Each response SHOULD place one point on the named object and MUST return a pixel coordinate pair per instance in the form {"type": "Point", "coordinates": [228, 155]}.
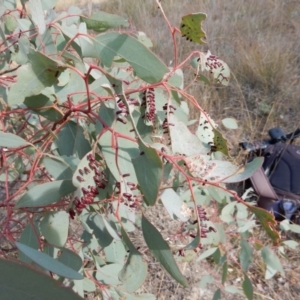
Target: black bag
{"type": "Point", "coordinates": [278, 182]}
{"type": "Point", "coordinates": [282, 167]}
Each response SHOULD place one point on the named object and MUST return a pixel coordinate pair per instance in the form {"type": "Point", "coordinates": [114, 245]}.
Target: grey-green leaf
{"type": "Point", "coordinates": [101, 21]}
{"type": "Point", "coordinates": [119, 160]}
{"type": "Point", "coordinates": [10, 140]}
{"type": "Point", "coordinates": [37, 14]}
{"type": "Point", "coordinates": [30, 284]}
{"type": "Point", "coordinates": [71, 140]}
{"type": "Point", "coordinates": [29, 237]}
{"type": "Point", "coordinates": [230, 123]}
{"type": "Point", "coordinates": [161, 251]}
{"type": "Point", "coordinates": [95, 222]}
{"type": "Point", "coordinates": [54, 226]}
{"type": "Point", "coordinates": [46, 193]}
{"type": "Point", "coordinates": [40, 72]}
{"type": "Point", "coordinates": [174, 204]}
{"type": "Point", "coordinates": [43, 106]}
{"type": "Point", "coordinates": [207, 253]}
{"type": "Point", "coordinates": [246, 255]}
{"type": "Point", "coordinates": [247, 288]}
{"type": "Point", "coordinates": [70, 259]}
{"type": "Point", "coordinates": [48, 262]}
{"type": "Point", "coordinates": [109, 274]}
{"type": "Point", "coordinates": [149, 170]}
{"type": "Point", "coordinates": [134, 272]}
{"type": "Point", "coordinates": [57, 167]}
{"type": "Point", "coordinates": [271, 259]}
{"type": "Point", "coordinates": [217, 295]}
{"type": "Point", "coordinates": [115, 252]}
{"type": "Point", "coordinates": [248, 171]}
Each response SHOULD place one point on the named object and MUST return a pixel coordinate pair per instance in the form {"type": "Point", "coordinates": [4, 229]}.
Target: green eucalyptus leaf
{"type": "Point", "coordinates": [29, 237]}
{"type": "Point", "coordinates": [10, 4]}
{"type": "Point", "coordinates": [174, 205]}
{"type": "Point", "coordinates": [20, 57]}
{"type": "Point", "coordinates": [145, 64]}
{"type": "Point", "coordinates": [232, 289]}
{"type": "Point", "coordinates": [195, 242]}
{"type": "Point", "coordinates": [10, 22]}
{"type": "Point", "coordinates": [292, 244]}
{"type": "Point", "coordinates": [45, 43]}
{"type": "Point", "coordinates": [115, 252]}
{"type": "Point", "coordinates": [246, 255]}
{"type": "Point", "coordinates": [247, 288]}
{"type": "Point", "coordinates": [109, 274]}
{"type": "Point", "coordinates": [207, 253]}
{"type": "Point", "coordinates": [161, 251]}
{"type": "Point", "coordinates": [30, 284]}
{"type": "Point", "coordinates": [2, 8]}
{"type": "Point", "coordinates": [294, 228]}
{"type": "Point", "coordinates": [75, 83]}
{"type": "Point", "coordinates": [74, 13]}
{"type": "Point", "coordinates": [48, 262]}
{"type": "Point", "coordinates": [217, 295]}
{"type": "Point", "coordinates": [37, 14]}
{"type": "Point", "coordinates": [95, 222]}
{"type": "Point", "coordinates": [128, 242]}
{"type": "Point", "coordinates": [40, 72]}
{"type": "Point", "coordinates": [10, 140]}
{"type": "Point", "coordinates": [55, 226]}
{"type": "Point", "coordinates": [69, 34]}
{"type": "Point", "coordinates": [48, 4]}
{"type": "Point", "coordinates": [89, 285]}
{"type": "Point", "coordinates": [57, 167]}
{"type": "Point", "coordinates": [101, 21]}
{"type": "Point", "coordinates": [43, 106]}
{"type": "Point", "coordinates": [70, 259]}
{"type": "Point", "coordinates": [149, 181]}
{"type": "Point", "coordinates": [46, 194]}
{"type": "Point", "coordinates": [111, 228]}
{"type": "Point", "coordinates": [127, 215]}
{"type": "Point", "coordinates": [25, 26]}
{"type": "Point", "coordinates": [230, 123]}
{"type": "Point", "coordinates": [134, 272]}
{"type": "Point", "coordinates": [141, 36]}
{"type": "Point", "coordinates": [205, 280]}
{"type": "Point", "coordinates": [71, 140]}
{"type": "Point", "coordinates": [119, 160]}
{"type": "Point", "coordinates": [272, 261]}
{"type": "Point", "coordinates": [245, 173]}
{"type": "Point", "coordinates": [183, 141]}
{"type": "Point", "coordinates": [224, 272]}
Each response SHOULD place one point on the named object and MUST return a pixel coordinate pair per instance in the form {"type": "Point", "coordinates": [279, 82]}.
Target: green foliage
{"type": "Point", "coordinates": [33, 284]}
{"type": "Point", "coordinates": [94, 131]}
{"type": "Point", "coordinates": [247, 288]}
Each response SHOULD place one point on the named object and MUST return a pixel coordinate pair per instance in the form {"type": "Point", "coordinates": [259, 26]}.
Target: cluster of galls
{"type": "Point", "coordinates": [203, 227]}
{"type": "Point", "coordinates": [165, 125]}
{"type": "Point", "coordinates": [122, 111]}
{"type": "Point", "coordinates": [212, 62]}
{"type": "Point", "coordinates": [127, 197]}
{"type": "Point", "coordinates": [90, 192]}
{"type": "Point", "coordinates": [148, 101]}
{"type": "Point", "coordinates": [203, 218]}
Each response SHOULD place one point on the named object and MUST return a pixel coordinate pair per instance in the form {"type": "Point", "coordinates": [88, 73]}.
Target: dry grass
{"type": "Point", "coordinates": [260, 41]}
